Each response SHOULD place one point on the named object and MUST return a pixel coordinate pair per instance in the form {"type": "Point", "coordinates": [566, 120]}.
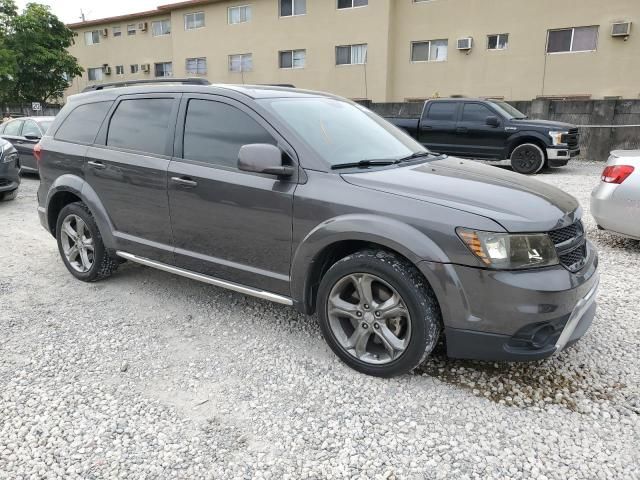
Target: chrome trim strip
{"type": "Point", "coordinates": [206, 279]}
{"type": "Point", "coordinates": [580, 309]}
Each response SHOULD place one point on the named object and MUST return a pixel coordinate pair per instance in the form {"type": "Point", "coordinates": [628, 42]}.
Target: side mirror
{"type": "Point", "coordinates": [493, 121]}
{"type": "Point", "coordinates": [32, 137]}
{"type": "Point", "coordinates": [263, 158]}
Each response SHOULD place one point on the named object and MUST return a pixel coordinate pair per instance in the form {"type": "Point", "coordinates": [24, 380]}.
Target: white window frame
{"type": "Point", "coordinates": [293, 10]}
{"type": "Point", "coordinates": [162, 33]}
{"type": "Point", "coordinates": [117, 29]}
{"type": "Point", "coordinates": [573, 33]}
{"type": "Point", "coordinates": [242, 57]}
{"type": "Point", "coordinates": [134, 68]}
{"type": "Point", "coordinates": [293, 59]}
{"type": "Point", "coordinates": [164, 64]}
{"type": "Point", "coordinates": [98, 77]}
{"type": "Point", "coordinates": [131, 31]}
{"type": "Point", "coordinates": [351, 56]}
{"type": "Point", "coordinates": [119, 69]}
{"type": "Point", "coordinates": [351, 7]}
{"type": "Point", "coordinates": [430, 45]}
{"type": "Point", "coordinates": [241, 8]}
{"type": "Point", "coordinates": [498, 36]}
{"type": "Point", "coordinates": [193, 14]}
{"type": "Point", "coordinates": [198, 62]}
{"type": "Point", "coordinates": [93, 34]}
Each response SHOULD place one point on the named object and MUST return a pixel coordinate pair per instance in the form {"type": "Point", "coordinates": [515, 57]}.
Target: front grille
{"type": "Point", "coordinates": [572, 139]}
{"type": "Point", "coordinates": [571, 246]}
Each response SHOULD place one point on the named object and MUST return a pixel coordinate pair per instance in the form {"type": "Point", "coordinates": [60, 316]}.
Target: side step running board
{"type": "Point", "coordinates": [206, 279]}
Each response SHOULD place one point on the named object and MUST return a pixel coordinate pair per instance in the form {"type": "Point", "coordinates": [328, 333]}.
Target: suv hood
{"type": "Point", "coordinates": [517, 202]}
{"type": "Point", "coordinates": [546, 124]}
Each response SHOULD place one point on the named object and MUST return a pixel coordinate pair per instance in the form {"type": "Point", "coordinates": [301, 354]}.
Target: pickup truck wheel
{"type": "Point", "coordinates": [527, 159]}
{"type": "Point", "coordinates": [378, 314]}
{"type": "Point", "coordinates": [80, 244]}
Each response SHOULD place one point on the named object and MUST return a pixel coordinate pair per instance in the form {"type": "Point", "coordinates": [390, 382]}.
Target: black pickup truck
{"type": "Point", "coordinates": [492, 130]}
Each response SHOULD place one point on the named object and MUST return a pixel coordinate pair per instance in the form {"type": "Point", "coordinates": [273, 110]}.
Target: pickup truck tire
{"type": "Point", "coordinates": [527, 159]}
{"type": "Point", "coordinates": [80, 244]}
{"type": "Point", "coordinates": [378, 314]}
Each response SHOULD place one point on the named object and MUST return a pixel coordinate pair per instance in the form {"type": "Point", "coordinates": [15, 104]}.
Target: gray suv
{"type": "Point", "coordinates": [310, 200]}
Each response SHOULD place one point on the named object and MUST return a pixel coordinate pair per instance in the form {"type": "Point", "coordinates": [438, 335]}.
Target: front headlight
{"type": "Point", "coordinates": [556, 137]}
{"type": "Point", "coordinates": [506, 251]}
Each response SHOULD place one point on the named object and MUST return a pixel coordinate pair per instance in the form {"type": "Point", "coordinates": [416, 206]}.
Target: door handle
{"type": "Point", "coordinates": [462, 130]}
{"type": "Point", "coordinates": [19, 142]}
{"type": "Point", "coordinates": [184, 182]}
{"type": "Point", "coordinates": [427, 127]}
{"type": "Point", "coordinates": [97, 165]}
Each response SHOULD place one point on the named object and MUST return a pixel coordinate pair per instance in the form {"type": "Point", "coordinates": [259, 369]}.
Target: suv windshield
{"type": "Point", "coordinates": [342, 132]}
{"type": "Point", "coordinates": [508, 110]}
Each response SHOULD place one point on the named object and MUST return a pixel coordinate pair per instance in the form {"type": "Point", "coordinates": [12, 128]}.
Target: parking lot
{"type": "Point", "coordinates": [148, 375]}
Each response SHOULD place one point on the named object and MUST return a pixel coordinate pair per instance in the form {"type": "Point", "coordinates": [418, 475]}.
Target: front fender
{"type": "Point", "coordinates": [79, 187]}
{"type": "Point", "coordinates": [387, 232]}
{"type": "Point", "coordinates": [525, 136]}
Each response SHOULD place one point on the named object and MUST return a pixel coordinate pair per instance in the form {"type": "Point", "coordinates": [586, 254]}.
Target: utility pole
{"type": "Point", "coordinates": [82, 17]}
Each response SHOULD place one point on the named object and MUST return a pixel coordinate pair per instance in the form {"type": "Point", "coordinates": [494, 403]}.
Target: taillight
{"type": "Point", "coordinates": [37, 152]}
{"type": "Point", "coordinates": [616, 173]}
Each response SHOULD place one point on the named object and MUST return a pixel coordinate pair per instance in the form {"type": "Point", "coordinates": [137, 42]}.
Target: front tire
{"type": "Point", "coordinates": [527, 159]}
{"type": "Point", "coordinates": [80, 244]}
{"type": "Point", "coordinates": [6, 196]}
{"type": "Point", "coordinates": [378, 314]}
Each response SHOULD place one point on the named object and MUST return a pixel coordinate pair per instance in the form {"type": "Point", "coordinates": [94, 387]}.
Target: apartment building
{"type": "Point", "coordinates": [381, 50]}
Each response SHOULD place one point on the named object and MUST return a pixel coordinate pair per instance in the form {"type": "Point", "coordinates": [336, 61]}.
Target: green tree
{"type": "Point", "coordinates": [37, 41]}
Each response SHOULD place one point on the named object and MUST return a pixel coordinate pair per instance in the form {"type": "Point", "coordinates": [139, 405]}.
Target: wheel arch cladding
{"type": "Point", "coordinates": [528, 137]}
{"type": "Point", "coordinates": [338, 237]}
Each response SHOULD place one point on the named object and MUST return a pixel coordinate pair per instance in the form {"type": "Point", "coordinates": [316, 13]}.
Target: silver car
{"type": "Point", "coordinates": [615, 202]}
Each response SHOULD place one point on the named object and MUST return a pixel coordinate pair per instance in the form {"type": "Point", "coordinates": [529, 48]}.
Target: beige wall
{"type": "Point", "coordinates": [523, 71]}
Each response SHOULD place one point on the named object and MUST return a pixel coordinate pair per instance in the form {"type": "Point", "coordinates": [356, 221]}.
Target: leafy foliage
{"type": "Point", "coordinates": [34, 62]}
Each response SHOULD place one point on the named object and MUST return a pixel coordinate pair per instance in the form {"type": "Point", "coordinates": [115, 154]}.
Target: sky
{"type": "Point", "coordinates": [69, 10]}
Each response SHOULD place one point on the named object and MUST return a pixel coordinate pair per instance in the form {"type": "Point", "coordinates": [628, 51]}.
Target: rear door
{"type": "Point", "coordinates": [477, 139]}
{"type": "Point", "coordinates": [227, 223]}
{"type": "Point", "coordinates": [31, 134]}
{"type": "Point", "coordinates": [127, 168]}
{"type": "Point", "coordinates": [437, 130]}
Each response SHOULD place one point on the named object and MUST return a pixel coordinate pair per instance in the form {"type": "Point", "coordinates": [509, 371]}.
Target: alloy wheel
{"type": "Point", "coordinates": [77, 244]}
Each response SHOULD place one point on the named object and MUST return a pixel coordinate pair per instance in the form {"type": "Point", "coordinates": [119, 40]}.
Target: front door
{"type": "Point", "coordinates": [127, 168]}
{"type": "Point", "coordinates": [226, 223]}
{"type": "Point", "coordinates": [476, 138]}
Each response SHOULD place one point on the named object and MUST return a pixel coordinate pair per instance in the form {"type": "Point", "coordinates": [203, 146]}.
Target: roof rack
{"type": "Point", "coordinates": [129, 83]}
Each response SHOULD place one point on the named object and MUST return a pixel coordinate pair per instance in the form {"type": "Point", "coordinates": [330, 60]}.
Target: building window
{"type": "Point", "coordinates": [240, 14]}
{"type": "Point", "coordinates": [290, 8]}
{"type": "Point", "coordinates": [95, 74]}
{"type": "Point", "coordinates": [193, 20]}
{"type": "Point", "coordinates": [134, 68]}
{"type": "Point", "coordinates": [196, 66]}
{"type": "Point", "coordinates": [351, 54]}
{"type": "Point", "coordinates": [429, 51]}
{"type": "Point", "coordinates": [164, 69]}
{"type": "Point", "coordinates": [352, 3]}
{"type": "Point", "coordinates": [578, 39]}
{"type": "Point", "coordinates": [119, 69]}
{"type": "Point", "coordinates": [293, 58]}
{"type": "Point", "coordinates": [241, 63]}
{"type": "Point", "coordinates": [131, 29]}
{"type": "Point", "coordinates": [160, 27]}
{"type": "Point", "coordinates": [91, 38]}
{"type": "Point", "coordinates": [498, 42]}
{"type": "Point", "coordinates": [117, 31]}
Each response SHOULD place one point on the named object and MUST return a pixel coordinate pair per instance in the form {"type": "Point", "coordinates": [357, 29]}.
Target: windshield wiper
{"type": "Point", "coordinates": [413, 156]}
{"type": "Point", "coordinates": [365, 163]}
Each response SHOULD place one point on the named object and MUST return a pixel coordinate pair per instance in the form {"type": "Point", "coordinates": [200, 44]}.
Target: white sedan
{"type": "Point", "coordinates": [615, 202]}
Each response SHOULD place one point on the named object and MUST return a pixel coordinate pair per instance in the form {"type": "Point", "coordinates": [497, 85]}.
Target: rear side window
{"type": "Point", "coordinates": [30, 128]}
{"type": "Point", "coordinates": [83, 123]}
{"type": "Point", "coordinates": [141, 125]}
{"type": "Point", "coordinates": [444, 111]}
{"type": "Point", "coordinates": [474, 112]}
{"type": "Point", "coordinates": [214, 132]}
{"type": "Point", "coordinates": [13, 128]}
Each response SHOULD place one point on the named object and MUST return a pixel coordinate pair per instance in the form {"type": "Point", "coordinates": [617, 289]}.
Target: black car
{"type": "Point", "coordinates": [24, 133]}
{"type": "Point", "coordinates": [492, 130]}
{"type": "Point", "coordinates": [311, 200]}
{"type": "Point", "coordinates": [9, 176]}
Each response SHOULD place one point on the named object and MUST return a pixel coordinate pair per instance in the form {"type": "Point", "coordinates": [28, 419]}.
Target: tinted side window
{"type": "Point", "coordinates": [13, 128]}
{"type": "Point", "coordinates": [30, 128]}
{"type": "Point", "coordinates": [83, 123]}
{"type": "Point", "coordinates": [474, 112]}
{"type": "Point", "coordinates": [444, 111]}
{"type": "Point", "coordinates": [141, 125]}
{"type": "Point", "coordinates": [214, 132]}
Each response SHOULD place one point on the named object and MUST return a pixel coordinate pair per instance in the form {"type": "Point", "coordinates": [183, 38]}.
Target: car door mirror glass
{"type": "Point", "coordinates": [493, 121]}
{"type": "Point", "coordinates": [263, 158]}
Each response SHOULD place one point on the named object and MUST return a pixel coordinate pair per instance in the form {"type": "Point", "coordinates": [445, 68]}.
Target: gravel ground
{"type": "Point", "coordinates": [148, 375]}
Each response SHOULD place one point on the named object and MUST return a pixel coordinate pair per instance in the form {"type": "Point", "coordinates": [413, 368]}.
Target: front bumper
{"type": "Point", "coordinates": [513, 316]}
{"type": "Point", "coordinates": [9, 176]}
{"type": "Point", "coordinates": [560, 156]}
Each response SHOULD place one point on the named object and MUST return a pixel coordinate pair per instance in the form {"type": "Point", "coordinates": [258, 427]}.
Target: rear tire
{"type": "Point", "coordinates": [378, 314]}
{"type": "Point", "coordinates": [527, 159]}
{"type": "Point", "coordinates": [80, 244]}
